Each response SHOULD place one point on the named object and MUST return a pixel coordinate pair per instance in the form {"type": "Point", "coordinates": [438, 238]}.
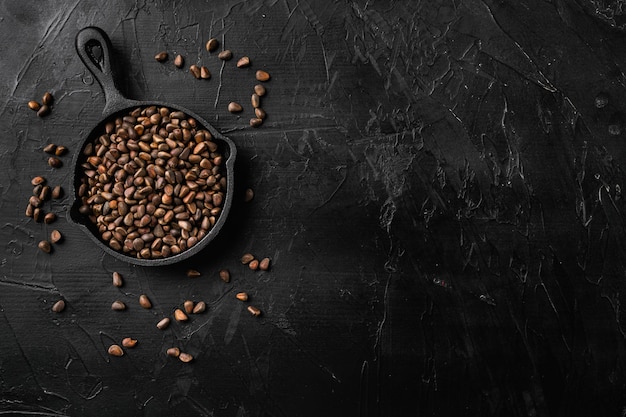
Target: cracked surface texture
{"type": "Point", "coordinates": [438, 191]}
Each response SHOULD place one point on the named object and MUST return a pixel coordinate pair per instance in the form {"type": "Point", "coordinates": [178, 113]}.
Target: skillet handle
{"type": "Point", "coordinates": [94, 49]}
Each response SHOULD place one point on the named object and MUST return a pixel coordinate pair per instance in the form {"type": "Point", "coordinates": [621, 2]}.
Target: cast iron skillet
{"type": "Point", "coordinates": [94, 48]}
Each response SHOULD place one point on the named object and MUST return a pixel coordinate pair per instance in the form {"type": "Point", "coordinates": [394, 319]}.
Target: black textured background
{"type": "Point", "coordinates": [439, 195]}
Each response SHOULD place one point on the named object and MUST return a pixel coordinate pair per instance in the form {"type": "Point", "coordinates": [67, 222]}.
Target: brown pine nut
{"type": "Point", "coordinates": [199, 307]}
{"type": "Point", "coordinates": [195, 71]}
{"type": "Point", "coordinates": [254, 311]}
{"type": "Point", "coordinates": [128, 342]}
{"type": "Point", "coordinates": [163, 323]}
{"type": "Point", "coordinates": [180, 315]}
{"type": "Point", "coordinates": [44, 246]}
{"type": "Point", "coordinates": [243, 62]}
{"type": "Point", "coordinates": [225, 55]}
{"type": "Point", "coordinates": [262, 75]}
{"type": "Point", "coordinates": [212, 45]}
{"type": "Point", "coordinates": [192, 273]}
{"type": "Point", "coordinates": [247, 258]}
{"type": "Point", "coordinates": [173, 352]}
{"type": "Point", "coordinates": [260, 113]}
{"type": "Point", "coordinates": [259, 89]}
{"type": "Point", "coordinates": [115, 350]}
{"type": "Point", "coordinates": [234, 107]}
{"type": "Point", "coordinates": [117, 279]}
{"type": "Point", "coordinates": [47, 99]}
{"type": "Point", "coordinates": [179, 61]}
{"type": "Point", "coordinates": [43, 111]}
{"type": "Point", "coordinates": [118, 306]}
{"type": "Point", "coordinates": [59, 306]}
{"type": "Point", "coordinates": [55, 236]}
{"type": "Point", "coordinates": [60, 150]}
{"type": "Point", "coordinates": [254, 264]}
{"type": "Point", "coordinates": [225, 275]}
{"type": "Point", "coordinates": [264, 265]}
{"type": "Point", "coordinates": [161, 56]}
{"type": "Point", "coordinates": [144, 301]}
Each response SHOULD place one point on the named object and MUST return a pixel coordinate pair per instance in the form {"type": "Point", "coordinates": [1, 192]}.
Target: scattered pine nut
{"type": "Point", "coordinates": [259, 89]}
{"type": "Point", "coordinates": [247, 258]}
{"type": "Point", "coordinates": [56, 236]}
{"type": "Point", "coordinates": [254, 264]}
{"type": "Point", "coordinates": [234, 107]}
{"type": "Point", "coordinates": [262, 75]}
{"type": "Point", "coordinates": [47, 99]}
{"type": "Point", "coordinates": [225, 55]}
{"type": "Point", "coordinates": [128, 342]}
{"type": "Point", "coordinates": [225, 275]}
{"type": "Point", "coordinates": [161, 56]}
{"type": "Point", "coordinates": [43, 111]}
{"type": "Point", "coordinates": [59, 306]}
{"type": "Point", "coordinates": [173, 352]}
{"type": "Point", "coordinates": [264, 265]}
{"type": "Point", "coordinates": [254, 311]}
{"type": "Point", "coordinates": [199, 307]}
{"type": "Point", "coordinates": [243, 62]}
{"type": "Point", "coordinates": [179, 61]}
{"type": "Point", "coordinates": [118, 306]}
{"type": "Point", "coordinates": [212, 44]}
{"type": "Point", "coordinates": [161, 325]}
{"type": "Point", "coordinates": [117, 279]}
{"type": "Point", "coordinates": [44, 246]}
{"type": "Point", "coordinates": [115, 350]}
{"type": "Point", "coordinates": [180, 315]}
{"type": "Point", "coordinates": [144, 301]}
{"type": "Point", "coordinates": [249, 195]}
{"type": "Point", "coordinates": [195, 71]}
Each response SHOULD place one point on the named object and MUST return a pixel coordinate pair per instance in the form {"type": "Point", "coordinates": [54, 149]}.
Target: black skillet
{"type": "Point", "coordinates": [94, 48]}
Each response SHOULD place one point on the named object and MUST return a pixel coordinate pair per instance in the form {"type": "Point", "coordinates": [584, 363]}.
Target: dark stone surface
{"type": "Point", "coordinates": [440, 197]}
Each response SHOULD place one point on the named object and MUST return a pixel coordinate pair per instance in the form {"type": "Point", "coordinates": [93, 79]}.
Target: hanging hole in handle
{"type": "Point", "coordinates": [95, 53]}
